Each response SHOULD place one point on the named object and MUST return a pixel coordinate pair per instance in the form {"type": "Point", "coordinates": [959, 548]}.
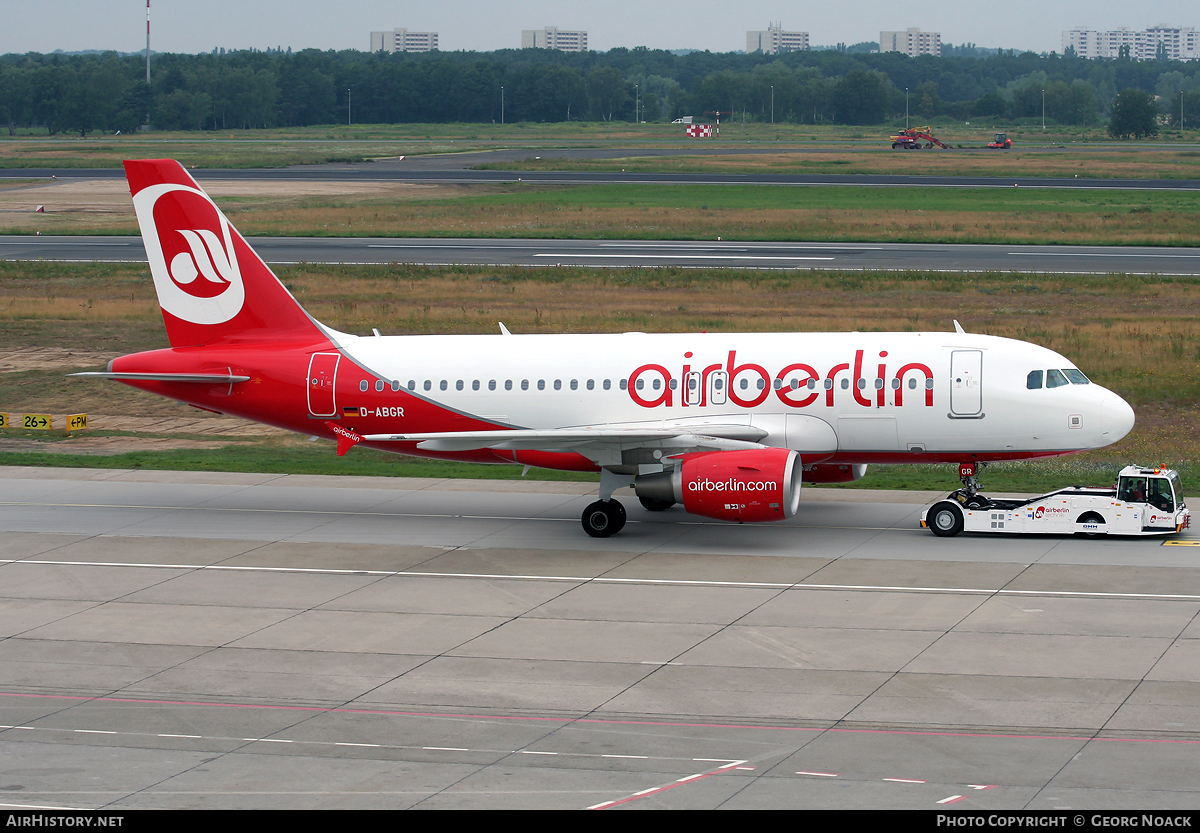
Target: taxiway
{"type": "Point", "coordinates": [232, 640]}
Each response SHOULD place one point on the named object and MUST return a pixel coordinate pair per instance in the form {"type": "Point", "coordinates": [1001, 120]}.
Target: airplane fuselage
{"type": "Point", "coordinates": [836, 397]}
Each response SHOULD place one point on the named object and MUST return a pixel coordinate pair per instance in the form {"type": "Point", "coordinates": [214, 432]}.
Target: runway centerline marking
{"type": "Point", "coordinates": [592, 256]}
{"type": "Point", "coordinates": [1100, 254]}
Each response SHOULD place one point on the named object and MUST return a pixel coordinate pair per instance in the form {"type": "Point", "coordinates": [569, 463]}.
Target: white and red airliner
{"type": "Point", "coordinates": [727, 424]}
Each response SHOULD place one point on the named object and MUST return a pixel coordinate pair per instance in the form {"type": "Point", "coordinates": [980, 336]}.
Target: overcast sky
{"type": "Point", "coordinates": [482, 25]}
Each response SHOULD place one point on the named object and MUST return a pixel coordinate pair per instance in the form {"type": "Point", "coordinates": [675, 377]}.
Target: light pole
{"type": "Point", "coordinates": [637, 103]}
{"type": "Point", "coordinates": [772, 105]}
{"type": "Point", "coordinates": [502, 104]}
{"type": "Point", "coordinates": [347, 107]}
{"type": "Point", "coordinates": [1043, 111]}
{"type": "Point", "coordinates": [906, 108]}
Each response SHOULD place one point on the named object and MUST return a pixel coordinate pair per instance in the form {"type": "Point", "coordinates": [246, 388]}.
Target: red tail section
{"type": "Point", "coordinates": [211, 285]}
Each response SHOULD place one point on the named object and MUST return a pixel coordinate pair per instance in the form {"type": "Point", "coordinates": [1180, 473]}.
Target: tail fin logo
{"type": "Point", "coordinates": [207, 260]}
{"type": "Point", "coordinates": [190, 246]}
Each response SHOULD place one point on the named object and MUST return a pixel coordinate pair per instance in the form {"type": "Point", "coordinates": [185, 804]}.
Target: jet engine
{"type": "Point", "coordinates": [761, 484]}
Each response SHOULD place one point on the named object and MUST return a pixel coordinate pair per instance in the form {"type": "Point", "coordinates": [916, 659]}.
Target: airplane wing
{"type": "Point", "coordinates": [591, 442]}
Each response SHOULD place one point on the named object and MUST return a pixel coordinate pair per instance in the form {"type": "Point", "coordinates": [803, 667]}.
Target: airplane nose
{"type": "Point", "coordinates": [1117, 418]}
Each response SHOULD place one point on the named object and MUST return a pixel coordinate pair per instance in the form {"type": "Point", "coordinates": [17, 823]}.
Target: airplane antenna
{"type": "Point", "coordinates": [504, 330]}
{"type": "Point", "coordinates": [958, 328]}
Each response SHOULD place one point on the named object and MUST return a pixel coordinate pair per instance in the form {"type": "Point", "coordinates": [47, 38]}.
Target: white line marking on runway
{"type": "Point", "coordinates": [1100, 254]}
{"type": "Point", "coordinates": [862, 588]}
{"type": "Point", "coordinates": [590, 256]}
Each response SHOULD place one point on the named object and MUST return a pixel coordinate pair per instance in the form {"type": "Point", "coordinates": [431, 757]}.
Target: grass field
{"type": "Point", "coordinates": [1137, 335]}
{"type": "Point", "coordinates": [672, 212]}
{"type": "Point", "coordinates": [1059, 151]}
{"type": "Point", "coordinates": [1110, 162]}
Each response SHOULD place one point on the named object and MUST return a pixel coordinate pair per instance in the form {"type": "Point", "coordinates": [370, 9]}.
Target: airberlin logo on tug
{"type": "Point", "coordinates": [796, 385]}
{"type": "Point", "coordinates": [191, 254]}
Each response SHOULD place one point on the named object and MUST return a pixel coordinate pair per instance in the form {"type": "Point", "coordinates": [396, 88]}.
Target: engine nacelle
{"type": "Point", "coordinates": [761, 484]}
{"type": "Point", "coordinates": [825, 473]}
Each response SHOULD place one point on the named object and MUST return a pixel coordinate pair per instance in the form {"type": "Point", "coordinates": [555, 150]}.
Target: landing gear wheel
{"type": "Point", "coordinates": [603, 518]}
{"type": "Point", "coordinates": [656, 505]}
{"type": "Point", "coordinates": [946, 519]}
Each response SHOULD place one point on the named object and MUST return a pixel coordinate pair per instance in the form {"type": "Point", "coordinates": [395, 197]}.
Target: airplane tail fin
{"type": "Point", "coordinates": [211, 285]}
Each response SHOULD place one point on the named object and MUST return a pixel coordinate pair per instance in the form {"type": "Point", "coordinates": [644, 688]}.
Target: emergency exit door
{"type": "Point", "coordinates": [322, 381]}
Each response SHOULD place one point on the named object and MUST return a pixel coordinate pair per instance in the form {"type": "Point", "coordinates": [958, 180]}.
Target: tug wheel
{"type": "Point", "coordinates": [946, 519]}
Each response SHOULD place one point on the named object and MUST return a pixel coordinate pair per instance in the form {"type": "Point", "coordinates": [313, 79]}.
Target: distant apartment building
{"type": "Point", "coordinates": [774, 40]}
{"type": "Point", "coordinates": [402, 40]}
{"type": "Point", "coordinates": [554, 38]}
{"type": "Point", "coordinates": [912, 42]}
{"type": "Point", "coordinates": [1180, 44]}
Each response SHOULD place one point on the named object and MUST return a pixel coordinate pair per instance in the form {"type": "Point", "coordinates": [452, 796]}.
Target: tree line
{"type": "Point", "coordinates": [247, 89]}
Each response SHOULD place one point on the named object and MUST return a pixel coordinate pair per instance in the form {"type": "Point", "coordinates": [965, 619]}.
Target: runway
{"type": "Point", "coordinates": [233, 640]}
{"type": "Point", "coordinates": [649, 253]}
{"type": "Point", "coordinates": [458, 169]}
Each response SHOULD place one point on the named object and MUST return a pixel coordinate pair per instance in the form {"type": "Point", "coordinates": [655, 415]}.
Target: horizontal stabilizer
{"type": "Point", "coordinates": [195, 378]}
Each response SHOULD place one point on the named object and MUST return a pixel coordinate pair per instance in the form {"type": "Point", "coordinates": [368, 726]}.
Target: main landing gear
{"type": "Point", "coordinates": [604, 518]}
{"type": "Point", "coordinates": [607, 516]}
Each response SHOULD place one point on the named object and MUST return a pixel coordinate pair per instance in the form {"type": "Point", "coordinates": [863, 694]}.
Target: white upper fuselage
{"type": "Point", "coordinates": [880, 393]}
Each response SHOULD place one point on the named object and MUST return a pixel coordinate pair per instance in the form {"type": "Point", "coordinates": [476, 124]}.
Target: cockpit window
{"type": "Point", "coordinates": [1076, 377]}
{"type": "Point", "coordinates": [1055, 379]}
{"type": "Point", "coordinates": [1034, 380]}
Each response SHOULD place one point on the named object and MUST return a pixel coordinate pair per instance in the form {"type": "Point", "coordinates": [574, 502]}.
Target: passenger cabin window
{"type": "Point", "coordinates": [1034, 380]}
{"type": "Point", "coordinates": [379, 384]}
{"type": "Point", "coordinates": [363, 385]}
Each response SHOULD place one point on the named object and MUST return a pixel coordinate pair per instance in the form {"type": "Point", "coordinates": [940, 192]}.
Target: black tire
{"type": "Point", "coordinates": [1088, 518]}
{"type": "Point", "coordinates": [619, 514]}
{"type": "Point", "coordinates": [652, 505]}
{"type": "Point", "coordinates": [603, 518]}
{"type": "Point", "coordinates": [946, 519]}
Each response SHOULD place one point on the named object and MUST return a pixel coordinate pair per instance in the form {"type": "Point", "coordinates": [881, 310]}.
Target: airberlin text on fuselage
{"type": "Point", "coordinates": [872, 393]}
